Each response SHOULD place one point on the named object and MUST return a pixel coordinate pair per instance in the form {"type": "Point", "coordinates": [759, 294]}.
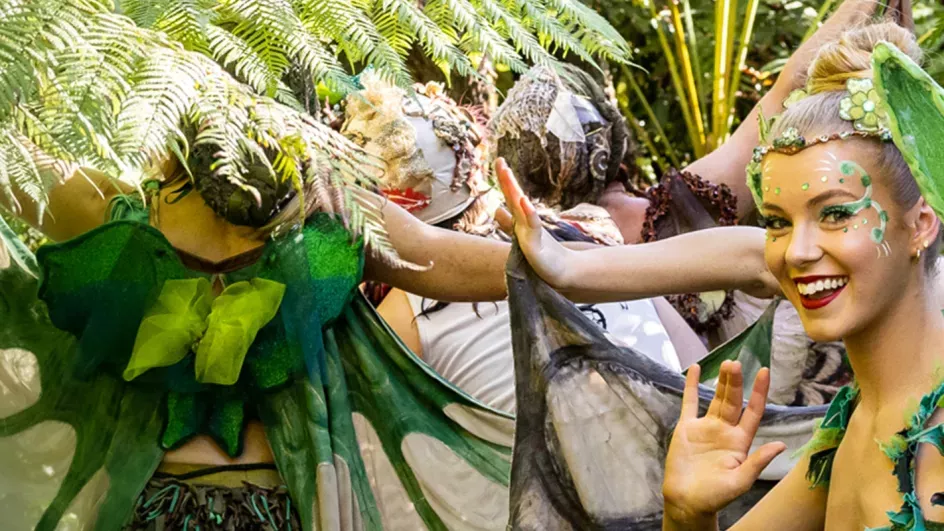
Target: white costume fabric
{"type": "Point", "coordinates": [474, 351]}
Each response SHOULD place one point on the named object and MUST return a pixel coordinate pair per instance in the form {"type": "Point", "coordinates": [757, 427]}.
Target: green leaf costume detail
{"type": "Point", "coordinates": [915, 106]}
{"type": "Point", "coordinates": [751, 347]}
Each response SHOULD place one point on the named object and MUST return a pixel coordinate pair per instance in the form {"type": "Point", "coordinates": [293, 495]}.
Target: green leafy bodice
{"type": "Point", "coordinates": [101, 286]}
{"type": "Point", "coordinates": [901, 450]}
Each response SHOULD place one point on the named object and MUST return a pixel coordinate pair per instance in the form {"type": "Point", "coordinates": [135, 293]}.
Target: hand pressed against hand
{"type": "Point", "coordinates": [544, 253]}
{"type": "Point", "coordinates": [708, 466]}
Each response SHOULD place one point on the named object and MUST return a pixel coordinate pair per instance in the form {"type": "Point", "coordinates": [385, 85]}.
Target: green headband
{"type": "Point", "coordinates": [905, 106]}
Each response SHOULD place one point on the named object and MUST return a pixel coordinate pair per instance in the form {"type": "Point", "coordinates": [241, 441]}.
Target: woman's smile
{"type": "Point", "coordinates": [818, 291]}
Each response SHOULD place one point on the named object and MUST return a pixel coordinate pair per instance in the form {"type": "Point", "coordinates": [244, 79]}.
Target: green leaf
{"type": "Point", "coordinates": [169, 329]}
{"type": "Point", "coordinates": [237, 316]}
{"type": "Point", "coordinates": [934, 436]}
{"type": "Point", "coordinates": [915, 105]}
{"type": "Point", "coordinates": [751, 347]}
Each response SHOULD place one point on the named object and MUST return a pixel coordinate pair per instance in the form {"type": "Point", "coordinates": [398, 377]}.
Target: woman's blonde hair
{"type": "Point", "coordinates": [818, 114]}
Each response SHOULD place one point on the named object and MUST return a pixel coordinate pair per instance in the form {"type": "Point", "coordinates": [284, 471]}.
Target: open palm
{"type": "Point", "coordinates": [708, 465]}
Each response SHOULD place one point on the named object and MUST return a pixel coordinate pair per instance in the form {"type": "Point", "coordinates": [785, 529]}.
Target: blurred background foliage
{"type": "Point", "coordinates": [689, 49]}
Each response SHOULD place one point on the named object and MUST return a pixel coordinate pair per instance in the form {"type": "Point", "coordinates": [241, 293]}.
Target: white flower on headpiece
{"type": "Point", "coordinates": [861, 106]}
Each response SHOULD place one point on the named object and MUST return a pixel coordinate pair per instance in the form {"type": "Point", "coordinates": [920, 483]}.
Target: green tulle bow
{"type": "Point", "coordinates": [186, 318]}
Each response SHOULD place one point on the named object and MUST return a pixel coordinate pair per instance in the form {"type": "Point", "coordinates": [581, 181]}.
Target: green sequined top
{"type": "Point", "coordinates": [901, 449]}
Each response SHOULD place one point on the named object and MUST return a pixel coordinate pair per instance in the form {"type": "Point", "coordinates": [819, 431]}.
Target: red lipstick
{"type": "Point", "coordinates": [814, 304]}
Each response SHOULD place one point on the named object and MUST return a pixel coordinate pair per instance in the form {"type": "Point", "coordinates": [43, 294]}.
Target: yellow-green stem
{"type": "Point", "coordinates": [697, 147]}
{"type": "Point", "coordinates": [820, 15]}
{"type": "Point", "coordinates": [687, 71]}
{"type": "Point", "coordinates": [747, 31]}
{"type": "Point", "coordinates": [669, 150]}
{"type": "Point", "coordinates": [692, 38]}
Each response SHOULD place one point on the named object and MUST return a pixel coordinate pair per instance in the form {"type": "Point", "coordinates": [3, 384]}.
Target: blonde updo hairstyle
{"type": "Point", "coordinates": [818, 114]}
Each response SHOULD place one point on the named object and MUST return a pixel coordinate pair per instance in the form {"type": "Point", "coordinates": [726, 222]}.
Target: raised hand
{"type": "Point", "coordinates": [548, 257]}
{"type": "Point", "coordinates": [707, 465]}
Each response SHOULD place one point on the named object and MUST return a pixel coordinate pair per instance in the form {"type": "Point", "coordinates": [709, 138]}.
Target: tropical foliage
{"type": "Point", "coordinates": [119, 85]}
{"type": "Point", "coordinates": [708, 62]}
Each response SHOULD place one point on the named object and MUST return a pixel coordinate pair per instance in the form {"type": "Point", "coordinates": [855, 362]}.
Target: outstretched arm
{"type": "Point", "coordinates": [464, 267]}
{"type": "Point", "coordinates": [713, 259]}
{"type": "Point", "coordinates": [75, 203]}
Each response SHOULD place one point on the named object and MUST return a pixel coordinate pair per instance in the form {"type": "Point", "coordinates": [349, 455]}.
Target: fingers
{"type": "Point", "coordinates": [899, 11]}
{"type": "Point", "coordinates": [521, 208]}
{"type": "Point", "coordinates": [750, 420]}
{"type": "Point", "coordinates": [714, 409]}
{"type": "Point", "coordinates": [726, 405]}
{"type": "Point", "coordinates": [733, 395]}
{"type": "Point", "coordinates": [690, 396]}
{"type": "Point", "coordinates": [755, 463]}
{"type": "Point", "coordinates": [504, 220]}
{"type": "Point", "coordinates": [509, 186]}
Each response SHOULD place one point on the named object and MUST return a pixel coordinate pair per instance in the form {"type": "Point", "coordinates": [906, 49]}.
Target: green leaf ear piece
{"type": "Point", "coordinates": [914, 103]}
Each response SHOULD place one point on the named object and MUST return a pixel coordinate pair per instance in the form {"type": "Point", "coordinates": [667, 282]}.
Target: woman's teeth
{"type": "Point", "coordinates": [812, 288]}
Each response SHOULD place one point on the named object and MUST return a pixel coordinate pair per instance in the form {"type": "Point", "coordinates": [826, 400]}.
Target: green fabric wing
{"type": "Point", "coordinates": [751, 347]}
{"type": "Point", "coordinates": [915, 105]}
{"type": "Point", "coordinates": [108, 416]}
{"type": "Point", "coordinates": [98, 287]}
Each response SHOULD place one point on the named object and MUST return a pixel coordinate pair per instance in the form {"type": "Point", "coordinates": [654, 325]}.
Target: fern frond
{"type": "Point", "coordinates": [350, 26]}
{"type": "Point", "coordinates": [596, 35]}
{"type": "Point", "coordinates": [477, 34]}
{"type": "Point", "coordinates": [525, 43]}
{"type": "Point", "coordinates": [274, 31]}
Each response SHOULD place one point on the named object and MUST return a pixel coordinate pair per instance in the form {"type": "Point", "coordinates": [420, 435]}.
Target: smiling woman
{"type": "Point", "coordinates": [848, 193]}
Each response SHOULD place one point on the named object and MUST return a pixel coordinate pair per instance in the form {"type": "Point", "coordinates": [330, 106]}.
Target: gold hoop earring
{"type": "Point", "coordinates": [918, 255]}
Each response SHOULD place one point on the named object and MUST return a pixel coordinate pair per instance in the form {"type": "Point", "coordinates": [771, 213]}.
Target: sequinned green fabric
{"type": "Point", "coordinates": [364, 434]}
{"type": "Point", "coordinates": [102, 285]}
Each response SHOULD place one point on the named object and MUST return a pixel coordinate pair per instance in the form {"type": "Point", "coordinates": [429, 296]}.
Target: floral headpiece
{"type": "Point", "coordinates": [862, 106]}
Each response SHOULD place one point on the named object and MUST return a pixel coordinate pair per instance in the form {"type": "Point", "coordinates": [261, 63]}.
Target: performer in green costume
{"type": "Point", "coordinates": [139, 346]}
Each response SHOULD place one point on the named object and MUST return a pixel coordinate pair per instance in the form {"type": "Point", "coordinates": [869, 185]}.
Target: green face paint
{"type": "Point", "coordinates": [851, 169]}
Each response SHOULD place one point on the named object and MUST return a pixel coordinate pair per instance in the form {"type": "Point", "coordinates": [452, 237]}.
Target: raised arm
{"type": "Point", "coordinates": [76, 202]}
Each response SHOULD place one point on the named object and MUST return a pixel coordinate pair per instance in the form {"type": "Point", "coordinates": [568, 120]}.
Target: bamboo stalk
{"type": "Point", "coordinates": [721, 65]}
{"type": "Point", "coordinates": [692, 38]}
{"type": "Point", "coordinates": [669, 149]}
{"type": "Point", "coordinates": [687, 70]}
{"type": "Point", "coordinates": [747, 31]}
{"type": "Point", "coordinates": [725, 110]}
{"type": "Point", "coordinates": [641, 133]}
{"type": "Point", "coordinates": [697, 147]}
